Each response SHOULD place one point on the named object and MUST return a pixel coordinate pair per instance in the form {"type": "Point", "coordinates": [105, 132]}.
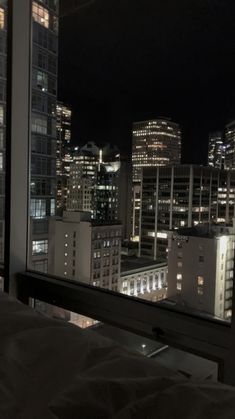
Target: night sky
{"type": "Point", "coordinates": [126, 60]}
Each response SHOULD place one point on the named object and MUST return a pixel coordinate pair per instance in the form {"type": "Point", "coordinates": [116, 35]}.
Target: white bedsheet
{"type": "Point", "coordinates": [49, 369]}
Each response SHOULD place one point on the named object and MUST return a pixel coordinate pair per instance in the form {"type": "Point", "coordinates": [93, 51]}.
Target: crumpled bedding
{"type": "Point", "coordinates": [51, 369]}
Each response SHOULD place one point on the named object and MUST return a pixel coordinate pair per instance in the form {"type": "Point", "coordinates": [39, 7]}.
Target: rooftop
{"type": "Point", "coordinates": [133, 263]}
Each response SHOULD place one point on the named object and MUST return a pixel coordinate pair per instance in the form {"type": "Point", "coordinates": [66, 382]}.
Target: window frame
{"type": "Point", "coordinates": [212, 339]}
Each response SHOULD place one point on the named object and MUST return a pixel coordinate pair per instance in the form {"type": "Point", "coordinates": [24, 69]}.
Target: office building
{"type": "Point", "coordinates": [216, 150]}
{"type": "Point", "coordinates": [3, 83]}
{"type": "Point", "coordinates": [230, 146]}
{"type": "Point", "coordinates": [63, 154]}
{"type": "Point", "coordinates": [83, 178]}
{"type": "Point", "coordinates": [125, 197]}
{"type": "Point", "coordinates": [143, 278]}
{"type": "Point", "coordinates": [85, 250]}
{"type": "Point", "coordinates": [43, 128]}
{"type": "Point", "coordinates": [182, 196]}
{"type": "Point", "coordinates": [201, 269]}
{"type": "Point", "coordinates": [94, 182]}
{"type": "Point", "coordinates": [155, 142]}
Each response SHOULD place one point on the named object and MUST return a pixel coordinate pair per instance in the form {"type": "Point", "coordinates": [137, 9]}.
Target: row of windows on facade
{"type": "Point", "coordinates": [42, 16]}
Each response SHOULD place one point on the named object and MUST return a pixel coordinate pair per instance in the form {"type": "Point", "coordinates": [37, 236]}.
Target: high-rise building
{"type": "Point", "coordinates": [85, 250]}
{"type": "Point", "coordinates": [124, 198]}
{"type": "Point", "coordinates": [63, 154]}
{"type": "Point", "coordinates": [216, 150]}
{"type": "Point", "coordinates": [201, 269]}
{"type": "Point", "coordinates": [3, 82]}
{"type": "Point", "coordinates": [230, 146]}
{"type": "Point", "coordinates": [182, 196]}
{"type": "Point", "coordinates": [94, 182]}
{"type": "Point", "coordinates": [155, 142]}
{"type": "Point", "coordinates": [43, 128]}
{"type": "Point", "coordinates": [83, 178]}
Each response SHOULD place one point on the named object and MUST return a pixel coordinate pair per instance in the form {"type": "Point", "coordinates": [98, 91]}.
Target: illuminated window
{"type": "Point", "coordinates": [40, 247]}
{"type": "Point", "coordinates": [38, 208]}
{"type": "Point", "coordinates": [40, 15]}
{"type": "Point", "coordinates": [200, 280]}
{"type": "Point", "coordinates": [1, 115]}
{"type": "Point", "coordinates": [179, 286]}
{"type": "Point", "coordinates": [2, 18]}
{"type": "Point", "coordinates": [179, 277]}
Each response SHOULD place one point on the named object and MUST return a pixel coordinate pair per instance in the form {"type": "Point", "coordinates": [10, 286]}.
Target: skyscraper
{"type": "Point", "coordinates": [63, 155]}
{"type": "Point", "coordinates": [83, 177]}
{"type": "Point", "coordinates": [94, 182]}
{"type": "Point", "coordinates": [216, 150]}
{"type": "Point", "coordinates": [230, 146]}
{"type": "Point", "coordinates": [182, 196]}
{"type": "Point", "coordinates": [155, 143]}
{"type": "Point", "coordinates": [43, 128]}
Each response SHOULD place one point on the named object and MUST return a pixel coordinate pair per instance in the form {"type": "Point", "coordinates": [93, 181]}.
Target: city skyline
{"type": "Point", "coordinates": [168, 68]}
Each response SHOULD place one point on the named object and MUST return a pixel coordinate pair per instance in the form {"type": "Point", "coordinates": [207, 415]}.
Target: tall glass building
{"type": "Point", "coordinates": [216, 150]}
{"type": "Point", "coordinates": [155, 143]}
{"type": "Point", "coordinates": [63, 154]}
{"type": "Point", "coordinates": [43, 128]}
{"type": "Point", "coordinates": [230, 146]}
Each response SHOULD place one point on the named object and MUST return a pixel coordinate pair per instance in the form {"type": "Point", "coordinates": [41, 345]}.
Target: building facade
{"type": "Point", "coordinates": [63, 154]}
{"type": "Point", "coordinates": [201, 269]}
{"type": "Point", "coordinates": [216, 150]}
{"type": "Point", "coordinates": [230, 146]}
{"type": "Point", "coordinates": [155, 142]}
{"type": "Point", "coordinates": [83, 178]}
{"type": "Point", "coordinates": [143, 279]}
{"type": "Point", "coordinates": [43, 128]}
{"type": "Point", "coordinates": [95, 260]}
{"type": "Point", "coordinates": [182, 196]}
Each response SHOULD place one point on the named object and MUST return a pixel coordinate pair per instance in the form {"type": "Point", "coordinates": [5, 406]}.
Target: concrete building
{"type": "Point", "coordinates": [182, 196]}
{"type": "Point", "coordinates": [85, 250]}
{"type": "Point", "coordinates": [63, 154]}
{"type": "Point", "coordinates": [43, 128]}
{"type": "Point", "coordinates": [201, 269]}
{"type": "Point", "coordinates": [143, 278]}
{"type": "Point", "coordinates": [155, 142]}
{"type": "Point", "coordinates": [230, 146]}
{"type": "Point", "coordinates": [216, 150]}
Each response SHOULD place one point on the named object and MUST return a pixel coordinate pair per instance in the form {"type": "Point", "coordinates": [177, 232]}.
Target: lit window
{"type": "Point", "coordinates": [40, 247]}
{"type": "Point", "coordinates": [200, 280]}
{"type": "Point", "coordinates": [66, 245]}
{"type": "Point", "coordinates": [179, 286]}
{"type": "Point", "coordinates": [2, 18]}
{"type": "Point", "coordinates": [179, 277]}
{"type": "Point", "coordinates": [1, 114]}
{"type": "Point", "coordinates": [38, 208]}
{"type": "Point", "coordinates": [40, 15]}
